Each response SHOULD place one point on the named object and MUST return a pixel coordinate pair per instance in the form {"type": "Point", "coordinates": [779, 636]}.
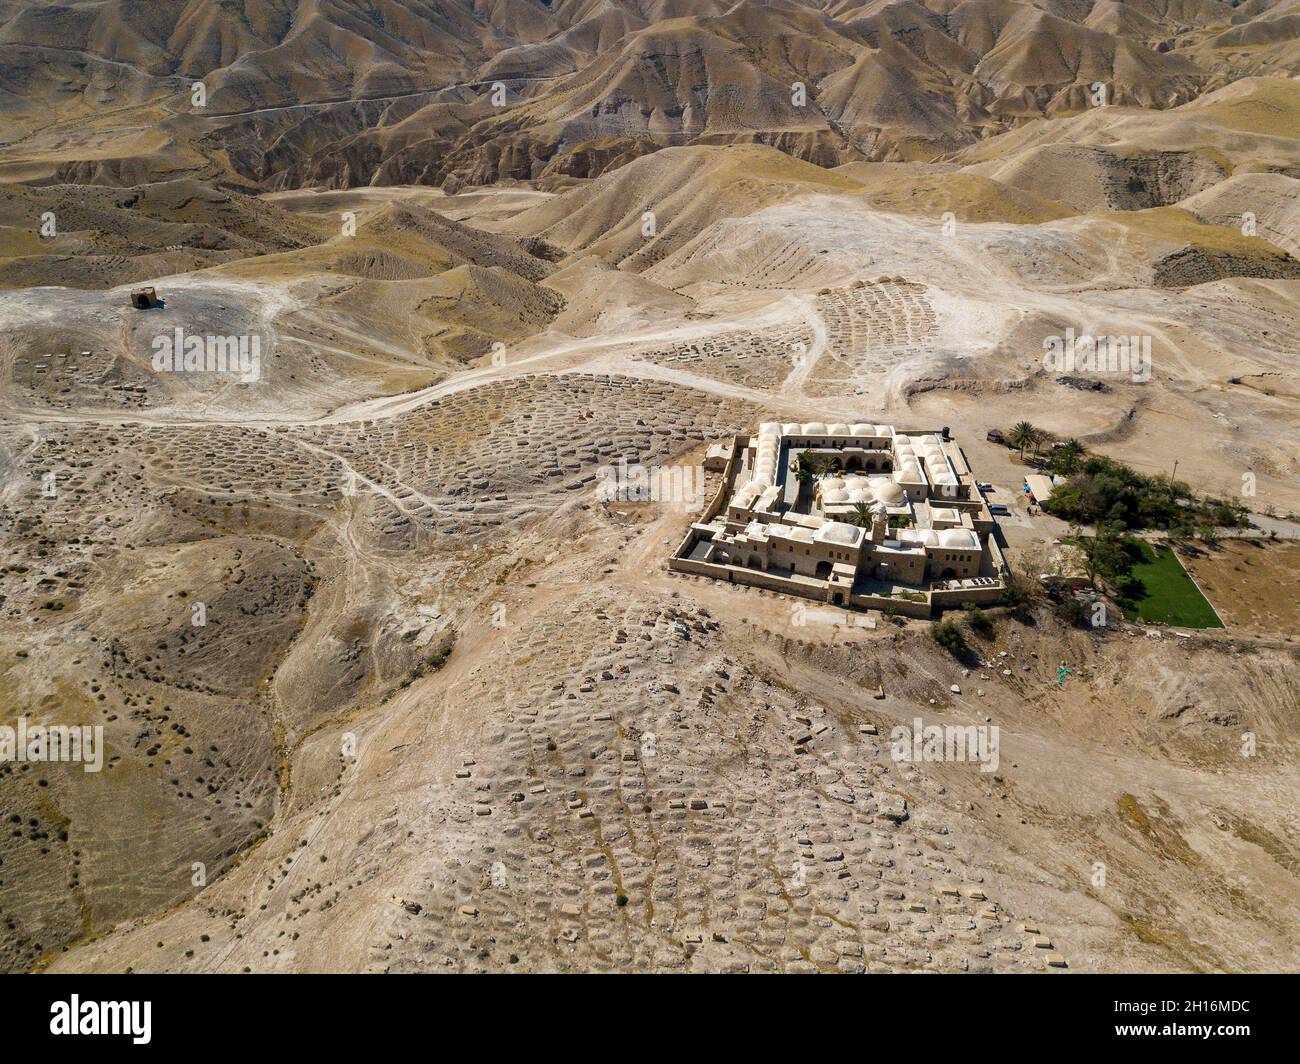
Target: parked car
{"type": "Point", "coordinates": [998, 508]}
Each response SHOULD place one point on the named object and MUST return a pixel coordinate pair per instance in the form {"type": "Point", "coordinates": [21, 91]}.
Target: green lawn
{"type": "Point", "coordinates": [1169, 595]}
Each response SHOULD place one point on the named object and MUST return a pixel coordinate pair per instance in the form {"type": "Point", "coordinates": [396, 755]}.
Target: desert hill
{"type": "Point", "coordinates": [1271, 200]}
{"type": "Point", "coordinates": [106, 236]}
{"type": "Point", "coordinates": [462, 94]}
{"type": "Point", "coordinates": [684, 189]}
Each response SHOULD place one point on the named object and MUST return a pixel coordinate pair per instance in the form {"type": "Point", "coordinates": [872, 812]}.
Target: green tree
{"type": "Point", "coordinates": [1021, 436]}
{"type": "Point", "coordinates": [1105, 555]}
{"type": "Point", "coordinates": [808, 467]}
{"type": "Point", "coordinates": [1039, 437]}
{"type": "Point", "coordinates": [1067, 458]}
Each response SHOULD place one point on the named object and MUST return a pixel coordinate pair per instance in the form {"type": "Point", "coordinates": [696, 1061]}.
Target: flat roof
{"type": "Point", "coordinates": [1041, 486]}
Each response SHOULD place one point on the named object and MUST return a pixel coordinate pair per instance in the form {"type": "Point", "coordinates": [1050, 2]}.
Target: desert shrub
{"type": "Point", "coordinates": [1072, 611]}
{"type": "Point", "coordinates": [1019, 592]}
{"type": "Point", "coordinates": [948, 635]}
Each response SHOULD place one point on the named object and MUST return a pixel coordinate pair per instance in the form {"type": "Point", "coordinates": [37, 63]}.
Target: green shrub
{"type": "Point", "coordinates": [948, 635]}
{"type": "Point", "coordinates": [1103, 490]}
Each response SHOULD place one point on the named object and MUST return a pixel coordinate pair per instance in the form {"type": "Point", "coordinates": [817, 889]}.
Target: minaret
{"type": "Point", "coordinates": [879, 523]}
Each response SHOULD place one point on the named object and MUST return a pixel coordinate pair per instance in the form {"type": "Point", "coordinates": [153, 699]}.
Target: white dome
{"type": "Point", "coordinates": [962, 538]}
{"type": "Point", "coordinates": [832, 482]}
{"type": "Point", "coordinates": [839, 430]}
{"type": "Point", "coordinates": [890, 494]}
{"type": "Point", "coordinates": [902, 439]}
{"type": "Point", "coordinates": [838, 532]}
{"type": "Point", "coordinates": [859, 495]}
{"type": "Point", "coordinates": [864, 430]}
{"type": "Point", "coordinates": [834, 496]}
{"type": "Point", "coordinates": [790, 429]}
{"type": "Point", "coordinates": [813, 428]}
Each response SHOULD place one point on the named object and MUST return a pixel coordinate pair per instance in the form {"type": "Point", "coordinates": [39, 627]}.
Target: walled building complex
{"type": "Point", "coordinates": [854, 515]}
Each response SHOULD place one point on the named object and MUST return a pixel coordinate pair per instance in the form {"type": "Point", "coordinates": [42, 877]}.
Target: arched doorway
{"type": "Point", "coordinates": [823, 570]}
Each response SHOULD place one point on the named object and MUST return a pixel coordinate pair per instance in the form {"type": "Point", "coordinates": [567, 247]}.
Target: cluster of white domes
{"type": "Point", "coordinates": [766, 453]}
{"type": "Point", "coordinates": [923, 537]}
{"type": "Point", "coordinates": [936, 461]}
{"type": "Point", "coordinates": [821, 428]}
{"type": "Point", "coordinates": [838, 491]}
{"type": "Point", "coordinates": [908, 469]}
{"type": "Point", "coordinates": [953, 538]}
{"type": "Point", "coordinates": [908, 453]}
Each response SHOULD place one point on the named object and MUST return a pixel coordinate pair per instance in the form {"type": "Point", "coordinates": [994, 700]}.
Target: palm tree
{"type": "Point", "coordinates": [1021, 435]}
{"type": "Point", "coordinates": [1068, 455]}
{"type": "Point", "coordinates": [804, 474]}
{"type": "Point", "coordinates": [861, 515]}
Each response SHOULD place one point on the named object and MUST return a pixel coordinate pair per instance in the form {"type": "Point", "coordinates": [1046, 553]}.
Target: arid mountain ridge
{"type": "Point", "coordinates": [468, 93]}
